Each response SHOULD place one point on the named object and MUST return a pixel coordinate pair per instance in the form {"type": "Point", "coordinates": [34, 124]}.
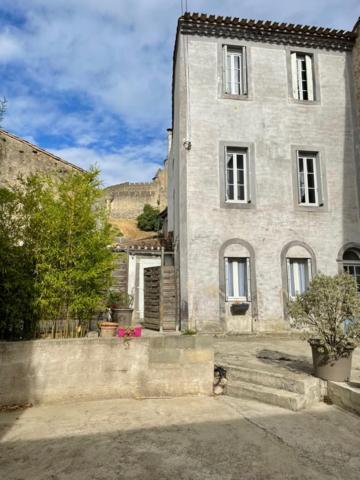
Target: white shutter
{"type": "Point", "coordinates": [226, 278]}
{"type": "Point", "coordinates": [309, 77]}
{"type": "Point", "coordinates": [294, 76]}
{"type": "Point", "coordinates": [248, 279]}
{"type": "Point", "coordinates": [225, 70]}
{"type": "Point", "coordinates": [289, 276]}
{"type": "Point", "coordinates": [244, 71]}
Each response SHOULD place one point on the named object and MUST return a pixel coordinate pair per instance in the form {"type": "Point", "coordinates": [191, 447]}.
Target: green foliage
{"type": "Point", "coordinates": [188, 331]}
{"type": "Point", "coordinates": [149, 220]}
{"type": "Point", "coordinates": [120, 299]}
{"type": "Point", "coordinates": [329, 314]}
{"type": "Point", "coordinates": [60, 237]}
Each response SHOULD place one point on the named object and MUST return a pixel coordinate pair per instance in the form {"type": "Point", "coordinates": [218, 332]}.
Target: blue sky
{"type": "Point", "coordinates": [90, 80]}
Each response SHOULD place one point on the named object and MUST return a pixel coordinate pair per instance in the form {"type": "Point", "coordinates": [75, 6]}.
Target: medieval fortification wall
{"type": "Point", "coordinates": [127, 200]}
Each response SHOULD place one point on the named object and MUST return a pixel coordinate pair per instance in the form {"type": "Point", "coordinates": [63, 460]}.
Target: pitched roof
{"type": "Point", "coordinates": [39, 149]}
{"type": "Point", "coordinates": [266, 31]}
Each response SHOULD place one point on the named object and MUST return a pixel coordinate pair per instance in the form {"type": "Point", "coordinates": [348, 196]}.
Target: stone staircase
{"type": "Point", "coordinates": [291, 390]}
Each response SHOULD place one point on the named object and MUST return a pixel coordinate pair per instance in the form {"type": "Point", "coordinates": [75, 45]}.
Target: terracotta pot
{"type": "Point", "coordinates": [108, 329]}
{"type": "Point", "coordinates": [123, 316]}
{"type": "Point", "coordinates": [329, 369]}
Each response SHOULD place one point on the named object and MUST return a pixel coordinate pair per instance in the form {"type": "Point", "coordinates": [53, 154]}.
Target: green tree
{"type": "Point", "coordinates": [64, 230]}
{"type": "Point", "coordinates": [328, 313]}
{"type": "Point", "coordinates": [149, 220]}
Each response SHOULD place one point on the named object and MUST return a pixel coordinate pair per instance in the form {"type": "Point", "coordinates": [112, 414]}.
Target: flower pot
{"type": "Point", "coordinates": [239, 308]}
{"type": "Point", "coordinates": [123, 316]}
{"type": "Point", "coordinates": [338, 370]}
{"type": "Point", "coordinates": [130, 331]}
{"type": "Point", "coordinates": [108, 329]}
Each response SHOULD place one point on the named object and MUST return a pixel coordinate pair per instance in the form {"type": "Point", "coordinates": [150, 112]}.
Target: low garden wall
{"type": "Point", "coordinates": [99, 368]}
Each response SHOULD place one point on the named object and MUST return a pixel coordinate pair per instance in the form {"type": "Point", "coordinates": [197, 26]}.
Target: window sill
{"type": "Point", "coordinates": [230, 96]}
{"type": "Point", "coordinates": [225, 204]}
{"type": "Point", "coordinates": [304, 102]}
{"type": "Point", "coordinates": [309, 208]}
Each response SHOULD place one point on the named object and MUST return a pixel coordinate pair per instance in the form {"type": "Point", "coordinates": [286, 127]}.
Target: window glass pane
{"type": "Point", "coordinates": [311, 180]}
{"type": "Point", "coordinates": [241, 193]}
{"type": "Point", "coordinates": [230, 192]}
{"type": "Point", "coordinates": [310, 165]}
{"type": "Point", "coordinates": [312, 195]}
{"type": "Point", "coordinates": [236, 278]}
{"type": "Point", "coordinates": [351, 255]}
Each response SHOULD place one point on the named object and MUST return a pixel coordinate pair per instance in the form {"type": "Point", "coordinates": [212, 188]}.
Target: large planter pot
{"type": "Point", "coordinates": [329, 369]}
{"type": "Point", "coordinates": [123, 316]}
{"type": "Point", "coordinates": [108, 329]}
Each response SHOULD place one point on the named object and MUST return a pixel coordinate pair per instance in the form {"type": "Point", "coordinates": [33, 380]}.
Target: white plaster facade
{"type": "Point", "coordinates": [273, 127]}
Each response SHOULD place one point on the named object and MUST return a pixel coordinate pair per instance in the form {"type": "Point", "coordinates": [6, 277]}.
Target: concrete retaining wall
{"type": "Point", "coordinates": [98, 368]}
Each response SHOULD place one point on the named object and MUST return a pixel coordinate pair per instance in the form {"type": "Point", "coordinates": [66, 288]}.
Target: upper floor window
{"type": "Point", "coordinates": [302, 76]}
{"type": "Point", "coordinates": [309, 179]}
{"type": "Point", "coordinates": [237, 188]}
{"type": "Point", "coordinates": [237, 270]}
{"type": "Point", "coordinates": [235, 82]}
{"type": "Point", "coordinates": [299, 274]}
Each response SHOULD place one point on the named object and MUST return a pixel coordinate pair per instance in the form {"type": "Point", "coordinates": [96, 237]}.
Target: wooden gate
{"type": "Point", "coordinates": [160, 298]}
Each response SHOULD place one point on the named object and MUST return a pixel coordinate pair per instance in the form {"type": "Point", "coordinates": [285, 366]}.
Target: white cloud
{"type": "Point", "coordinates": [129, 164]}
{"type": "Point", "coordinates": [117, 56]}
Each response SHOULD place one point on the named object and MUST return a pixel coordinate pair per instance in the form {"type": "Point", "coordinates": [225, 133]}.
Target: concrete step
{"type": "Point", "coordinates": [345, 395]}
{"type": "Point", "coordinates": [283, 381]}
{"type": "Point", "coordinates": [281, 398]}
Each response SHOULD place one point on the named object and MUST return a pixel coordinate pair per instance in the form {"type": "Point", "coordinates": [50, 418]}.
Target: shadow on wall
{"type": "Point", "coordinates": [351, 162]}
{"type": "Point", "coordinates": [22, 382]}
{"type": "Point", "coordinates": [85, 443]}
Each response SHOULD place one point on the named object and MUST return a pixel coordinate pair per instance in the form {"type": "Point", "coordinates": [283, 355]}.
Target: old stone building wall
{"type": "Point", "coordinates": [127, 200]}
{"type": "Point", "coordinates": [21, 158]}
{"type": "Point", "coordinates": [271, 126]}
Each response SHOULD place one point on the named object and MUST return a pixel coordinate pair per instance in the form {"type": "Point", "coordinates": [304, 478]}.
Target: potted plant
{"type": "Point", "coordinates": [108, 328]}
{"type": "Point", "coordinates": [121, 304]}
{"type": "Point", "coordinates": [328, 314]}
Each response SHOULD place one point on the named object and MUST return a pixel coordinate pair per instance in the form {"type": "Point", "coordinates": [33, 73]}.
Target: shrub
{"type": "Point", "coordinates": [328, 314]}
{"type": "Point", "coordinates": [57, 236]}
{"type": "Point", "coordinates": [149, 220]}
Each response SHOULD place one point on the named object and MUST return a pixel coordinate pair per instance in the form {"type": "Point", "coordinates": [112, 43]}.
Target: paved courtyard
{"type": "Point", "coordinates": [287, 354]}
{"type": "Point", "coordinates": [186, 438]}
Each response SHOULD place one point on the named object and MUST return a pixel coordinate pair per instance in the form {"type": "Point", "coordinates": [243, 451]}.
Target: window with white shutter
{"type": "Point", "coordinates": [309, 179]}
{"type": "Point", "coordinates": [235, 81]}
{"type": "Point", "coordinates": [237, 270]}
{"type": "Point", "coordinates": [237, 175]}
{"type": "Point", "coordinates": [299, 275]}
{"type": "Point", "coordinates": [302, 76]}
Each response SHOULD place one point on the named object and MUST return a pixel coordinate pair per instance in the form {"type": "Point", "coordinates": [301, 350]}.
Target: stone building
{"type": "Point", "coordinates": [356, 64]}
{"type": "Point", "coordinates": [127, 200]}
{"type": "Point", "coordinates": [19, 157]}
{"type": "Point", "coordinates": [263, 168]}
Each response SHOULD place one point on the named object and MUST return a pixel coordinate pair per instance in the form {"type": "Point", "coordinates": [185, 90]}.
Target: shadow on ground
{"type": "Point", "coordinates": [189, 439]}
{"type": "Point", "coordinates": [294, 363]}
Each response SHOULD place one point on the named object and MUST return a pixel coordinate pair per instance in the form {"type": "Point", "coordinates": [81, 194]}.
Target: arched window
{"type": "Point", "coordinates": [237, 273]}
{"type": "Point", "coordinates": [351, 263]}
{"type": "Point", "coordinates": [298, 262]}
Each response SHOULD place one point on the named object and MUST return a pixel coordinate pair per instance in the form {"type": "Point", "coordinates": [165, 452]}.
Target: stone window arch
{"type": "Point", "coordinates": [298, 266]}
{"type": "Point", "coordinates": [237, 277]}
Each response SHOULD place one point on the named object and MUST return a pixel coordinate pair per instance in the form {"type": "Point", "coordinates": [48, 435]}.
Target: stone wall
{"type": "Point", "coordinates": [272, 126]}
{"type": "Point", "coordinates": [99, 368]}
{"type": "Point", "coordinates": [127, 200]}
{"type": "Point", "coordinates": [19, 157]}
